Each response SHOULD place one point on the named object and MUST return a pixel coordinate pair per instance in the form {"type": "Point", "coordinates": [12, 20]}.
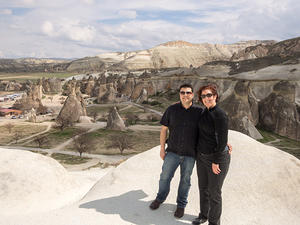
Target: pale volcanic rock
{"type": "Point", "coordinates": [278, 112]}
{"type": "Point", "coordinates": [73, 109]}
{"type": "Point", "coordinates": [31, 182]}
{"type": "Point", "coordinates": [262, 187]}
{"type": "Point", "coordinates": [114, 121]}
{"type": "Point", "coordinates": [242, 109]}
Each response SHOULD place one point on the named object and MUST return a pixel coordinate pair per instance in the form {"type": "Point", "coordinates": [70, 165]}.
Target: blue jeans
{"type": "Point", "coordinates": [171, 163]}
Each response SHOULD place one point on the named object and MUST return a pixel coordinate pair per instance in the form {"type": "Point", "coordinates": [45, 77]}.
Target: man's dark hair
{"type": "Point", "coordinates": [186, 86]}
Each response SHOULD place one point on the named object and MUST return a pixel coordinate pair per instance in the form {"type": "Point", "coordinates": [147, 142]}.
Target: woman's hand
{"type": "Point", "coordinates": [229, 148]}
{"type": "Point", "coordinates": [215, 168]}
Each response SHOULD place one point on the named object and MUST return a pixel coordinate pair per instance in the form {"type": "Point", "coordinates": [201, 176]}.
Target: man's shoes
{"type": "Point", "coordinates": [155, 205]}
{"type": "Point", "coordinates": [200, 219]}
{"type": "Point", "coordinates": [179, 212]}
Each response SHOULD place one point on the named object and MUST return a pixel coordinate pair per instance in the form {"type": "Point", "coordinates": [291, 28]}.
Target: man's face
{"type": "Point", "coordinates": [186, 95]}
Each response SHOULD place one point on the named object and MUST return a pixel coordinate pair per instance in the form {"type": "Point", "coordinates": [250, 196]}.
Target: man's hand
{"type": "Point", "coordinates": [162, 153]}
{"type": "Point", "coordinates": [230, 148]}
{"type": "Point", "coordinates": [215, 168]}
{"type": "Point", "coordinates": [162, 138]}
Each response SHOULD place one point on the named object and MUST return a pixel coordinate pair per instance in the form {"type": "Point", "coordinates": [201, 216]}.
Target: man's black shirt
{"type": "Point", "coordinates": [183, 128]}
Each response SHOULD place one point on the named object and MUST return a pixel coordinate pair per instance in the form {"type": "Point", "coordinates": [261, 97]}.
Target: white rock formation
{"type": "Point", "coordinates": [262, 188]}
{"type": "Point", "coordinates": [31, 182]}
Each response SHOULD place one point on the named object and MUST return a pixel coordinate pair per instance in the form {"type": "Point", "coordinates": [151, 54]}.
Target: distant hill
{"type": "Point", "coordinates": [175, 54]}
{"type": "Point", "coordinates": [167, 55]}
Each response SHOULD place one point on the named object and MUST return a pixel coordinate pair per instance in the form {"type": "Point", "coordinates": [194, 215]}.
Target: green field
{"type": "Point", "coordinates": [283, 143]}
{"type": "Point", "coordinates": [33, 76]}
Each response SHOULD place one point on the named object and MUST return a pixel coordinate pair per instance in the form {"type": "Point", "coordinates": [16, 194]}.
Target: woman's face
{"type": "Point", "coordinates": [209, 100]}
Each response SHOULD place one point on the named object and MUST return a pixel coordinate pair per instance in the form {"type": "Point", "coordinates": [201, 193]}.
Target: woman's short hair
{"type": "Point", "coordinates": [212, 88]}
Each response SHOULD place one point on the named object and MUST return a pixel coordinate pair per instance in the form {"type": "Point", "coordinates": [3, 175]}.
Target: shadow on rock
{"type": "Point", "coordinates": [133, 209]}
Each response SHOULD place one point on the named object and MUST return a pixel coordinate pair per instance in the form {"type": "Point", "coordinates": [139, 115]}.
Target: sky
{"type": "Point", "coordinates": [79, 28]}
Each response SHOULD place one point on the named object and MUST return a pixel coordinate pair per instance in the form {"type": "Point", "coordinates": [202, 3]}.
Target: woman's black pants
{"type": "Point", "coordinates": [210, 186]}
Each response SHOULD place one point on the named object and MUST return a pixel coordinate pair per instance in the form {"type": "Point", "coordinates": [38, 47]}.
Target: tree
{"type": "Point", "coordinates": [18, 136]}
{"type": "Point", "coordinates": [95, 115]}
{"type": "Point", "coordinates": [83, 143]}
{"type": "Point", "coordinates": [131, 119]}
{"type": "Point", "coordinates": [42, 109]}
{"type": "Point", "coordinates": [41, 140]}
{"type": "Point", "coordinates": [121, 142]}
{"type": "Point", "coordinates": [9, 127]}
{"type": "Point", "coordinates": [62, 123]}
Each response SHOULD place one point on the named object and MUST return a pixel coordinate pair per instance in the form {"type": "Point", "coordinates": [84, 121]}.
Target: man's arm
{"type": "Point", "coordinates": [163, 137]}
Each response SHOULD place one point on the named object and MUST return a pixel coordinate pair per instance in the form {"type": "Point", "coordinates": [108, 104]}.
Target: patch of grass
{"type": "Point", "coordinates": [66, 133]}
{"type": "Point", "coordinates": [40, 152]}
{"type": "Point", "coordinates": [141, 140]}
{"type": "Point", "coordinates": [267, 136]}
{"type": "Point", "coordinates": [25, 129]}
{"type": "Point", "coordinates": [69, 159]}
{"type": "Point", "coordinates": [285, 144]}
{"type": "Point", "coordinates": [56, 137]}
{"type": "Point", "coordinates": [34, 76]}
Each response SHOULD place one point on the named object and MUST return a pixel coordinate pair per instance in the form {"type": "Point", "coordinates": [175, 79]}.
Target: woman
{"type": "Point", "coordinates": [212, 156]}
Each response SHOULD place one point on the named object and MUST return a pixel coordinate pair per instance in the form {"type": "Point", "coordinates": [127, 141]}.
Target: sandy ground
{"type": "Point", "coordinates": [262, 188]}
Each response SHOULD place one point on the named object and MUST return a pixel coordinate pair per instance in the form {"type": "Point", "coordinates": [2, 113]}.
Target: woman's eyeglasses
{"type": "Point", "coordinates": [185, 92]}
{"type": "Point", "coordinates": [207, 95]}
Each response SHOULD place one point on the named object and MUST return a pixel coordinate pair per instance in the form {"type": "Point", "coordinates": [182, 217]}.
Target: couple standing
{"type": "Point", "coordinates": [195, 134]}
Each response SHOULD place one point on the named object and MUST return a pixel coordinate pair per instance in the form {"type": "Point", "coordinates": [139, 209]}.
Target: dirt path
{"type": "Point", "coordinates": [145, 127]}
{"type": "Point", "coordinates": [92, 126]}
{"type": "Point", "coordinates": [49, 125]}
{"type": "Point", "coordinates": [82, 166]}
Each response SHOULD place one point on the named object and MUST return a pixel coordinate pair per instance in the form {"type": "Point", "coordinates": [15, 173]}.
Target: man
{"type": "Point", "coordinates": [181, 120]}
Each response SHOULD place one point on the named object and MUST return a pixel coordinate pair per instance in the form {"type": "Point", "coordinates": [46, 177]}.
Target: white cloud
{"type": "Point", "coordinates": [73, 30]}
{"type": "Point", "coordinates": [5, 11]}
{"type": "Point", "coordinates": [131, 14]}
{"type": "Point", "coordinates": [47, 28]}
{"type": "Point", "coordinates": [28, 2]}
{"type": "Point", "coordinates": [88, 1]}
{"type": "Point", "coordinates": [77, 28]}
{"type": "Point", "coordinates": [77, 32]}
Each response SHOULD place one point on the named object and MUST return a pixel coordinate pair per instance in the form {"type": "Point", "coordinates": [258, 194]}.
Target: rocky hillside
{"type": "Point", "coordinates": [175, 54]}
{"type": "Point", "coordinates": [168, 55]}
{"type": "Point", "coordinates": [33, 65]}
{"type": "Point", "coordinates": [284, 49]}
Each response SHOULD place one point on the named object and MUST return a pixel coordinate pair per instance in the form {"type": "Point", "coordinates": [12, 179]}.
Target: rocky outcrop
{"type": "Point", "coordinates": [74, 106]}
{"type": "Point", "coordinates": [278, 112]}
{"type": "Point", "coordinates": [264, 55]}
{"type": "Point", "coordinates": [114, 121]}
{"type": "Point", "coordinates": [32, 99]}
{"type": "Point", "coordinates": [242, 110]}
{"type": "Point", "coordinates": [11, 86]}
{"type": "Point", "coordinates": [283, 49]}
{"type": "Point", "coordinates": [253, 52]}
{"type": "Point", "coordinates": [107, 93]}
{"type": "Point", "coordinates": [51, 85]}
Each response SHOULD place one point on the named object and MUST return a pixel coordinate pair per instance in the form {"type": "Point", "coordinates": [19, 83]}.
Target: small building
{"type": "Point", "coordinates": [10, 112]}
